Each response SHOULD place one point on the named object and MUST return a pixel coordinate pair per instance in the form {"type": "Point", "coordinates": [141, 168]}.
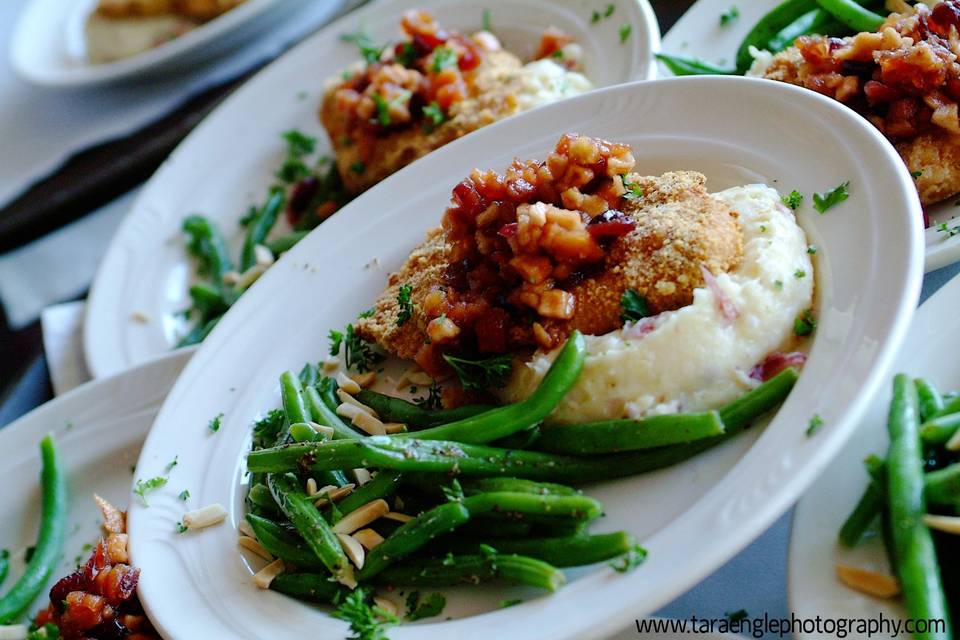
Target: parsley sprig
{"type": "Point", "coordinates": [792, 199]}
{"type": "Point", "coordinates": [143, 487]}
{"type": "Point", "coordinates": [483, 373]}
{"type": "Point", "coordinates": [367, 622]}
{"type": "Point", "coordinates": [633, 306]}
{"type": "Point", "coordinates": [419, 608]}
{"type": "Point", "coordinates": [832, 197]}
{"type": "Point", "coordinates": [405, 303]}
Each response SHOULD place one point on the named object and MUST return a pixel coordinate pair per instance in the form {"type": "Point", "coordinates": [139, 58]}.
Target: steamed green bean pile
{"type": "Point", "coordinates": [914, 495]}
{"type": "Point", "coordinates": [455, 496]}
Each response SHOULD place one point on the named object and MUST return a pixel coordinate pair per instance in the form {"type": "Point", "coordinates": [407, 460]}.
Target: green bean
{"type": "Point", "coordinates": [210, 301]}
{"type": "Point", "coordinates": [309, 376]}
{"type": "Point", "coordinates": [951, 404]}
{"type": "Point", "coordinates": [939, 430]}
{"type": "Point", "coordinates": [199, 333]}
{"type": "Point", "coordinates": [941, 487]}
{"type": "Point", "coordinates": [612, 436]}
{"type": "Point", "coordinates": [206, 244]}
{"type": "Point", "coordinates": [813, 21]}
{"type": "Point", "coordinates": [917, 563]}
{"type": "Point", "coordinates": [260, 227]}
{"type": "Point", "coordinates": [516, 485]}
{"type": "Point", "coordinates": [412, 536]}
{"type": "Point", "coordinates": [572, 551]}
{"type": "Point", "coordinates": [519, 440]}
{"type": "Point", "coordinates": [473, 569]}
{"type": "Point", "coordinates": [53, 529]}
{"type": "Point", "coordinates": [681, 66]}
{"type": "Point", "coordinates": [768, 27]}
{"type": "Point", "coordinates": [284, 243]}
{"type": "Point", "coordinates": [486, 528]}
{"type": "Point", "coordinates": [741, 412]}
{"type": "Point", "coordinates": [517, 506]}
{"type": "Point", "coordinates": [291, 394]}
{"type": "Point", "coordinates": [931, 402]}
{"type": "Point", "coordinates": [303, 432]}
{"type": "Point", "coordinates": [852, 14]}
{"type": "Point", "coordinates": [260, 496]}
{"type": "Point", "coordinates": [4, 565]}
{"type": "Point", "coordinates": [282, 544]}
{"type": "Point", "coordinates": [322, 414]}
{"type": "Point", "coordinates": [311, 526]}
{"type": "Point", "coordinates": [382, 486]}
{"type": "Point", "coordinates": [392, 409]}
{"type": "Point", "coordinates": [871, 504]}
{"type": "Point", "coordinates": [310, 587]}
{"type": "Point", "coordinates": [508, 420]}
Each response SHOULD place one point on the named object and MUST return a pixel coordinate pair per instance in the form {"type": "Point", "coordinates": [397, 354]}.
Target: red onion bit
{"type": "Point", "coordinates": [777, 362]}
{"type": "Point", "coordinates": [722, 300]}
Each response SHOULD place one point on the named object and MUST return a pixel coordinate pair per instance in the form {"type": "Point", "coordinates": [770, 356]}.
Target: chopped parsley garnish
{"type": "Point", "coordinates": [443, 57]}
{"type": "Point", "coordinates": [737, 616]}
{"type": "Point", "coordinates": [405, 304]}
{"type": "Point", "coordinates": [358, 167]}
{"type": "Point", "coordinates": [453, 493]}
{"type": "Point", "coordinates": [336, 340]}
{"type": "Point", "coordinates": [368, 51]}
{"type": "Point", "coordinates": [448, 560]}
{"type": "Point", "coordinates": [778, 284]}
{"type": "Point", "coordinates": [916, 174]}
{"type": "Point", "coordinates": [28, 554]}
{"type": "Point", "coordinates": [729, 16]}
{"type": "Point", "coordinates": [366, 314]}
{"type": "Point", "coordinates": [214, 424]}
{"type": "Point", "coordinates": [608, 11]}
{"type": "Point", "coordinates": [49, 631]}
{"type": "Point", "coordinates": [558, 54]}
{"type": "Point", "coordinates": [407, 55]}
{"type": "Point", "coordinates": [634, 192]}
{"type": "Point", "coordinates": [433, 400]}
{"type": "Point", "coordinates": [434, 115]}
{"type": "Point", "coordinates": [487, 20]}
{"type": "Point", "coordinates": [596, 16]}
{"type": "Point", "coordinates": [799, 273]}
{"type": "Point", "coordinates": [143, 487]}
{"type": "Point", "coordinates": [633, 306]}
{"type": "Point", "coordinates": [792, 199]}
{"type": "Point", "coordinates": [483, 373]}
{"type": "Point", "coordinates": [827, 199]}
{"type": "Point", "coordinates": [428, 607]}
{"type": "Point", "coordinates": [510, 603]}
{"type": "Point", "coordinates": [383, 111]}
{"type": "Point", "coordinates": [815, 423]}
{"type": "Point", "coordinates": [299, 146]}
{"type": "Point", "coordinates": [267, 429]}
{"type": "Point", "coordinates": [812, 249]}
{"type": "Point", "coordinates": [763, 228]}
{"type": "Point", "coordinates": [947, 230]}
{"type": "Point", "coordinates": [630, 560]}
{"type": "Point", "coordinates": [367, 622]}
{"type": "Point", "coordinates": [805, 323]}
{"type": "Point", "coordinates": [172, 464]}
{"type": "Point", "coordinates": [359, 354]}
{"type": "Point", "coordinates": [625, 30]}
{"type": "Point", "coordinates": [180, 527]}
{"type": "Point", "coordinates": [184, 495]}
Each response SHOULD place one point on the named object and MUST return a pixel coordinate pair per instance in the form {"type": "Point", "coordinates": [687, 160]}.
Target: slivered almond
{"type": "Point", "coordinates": [368, 538]}
{"type": "Point", "coordinates": [346, 383]}
{"type": "Point", "coordinates": [347, 578]}
{"type": "Point", "coordinates": [397, 517]}
{"type": "Point", "coordinates": [205, 517]}
{"type": "Point", "coordinates": [947, 524]}
{"type": "Point", "coordinates": [388, 606]}
{"type": "Point", "coordinates": [248, 277]}
{"type": "Point", "coordinates": [141, 317]}
{"type": "Point", "coordinates": [362, 475]}
{"type": "Point", "coordinates": [262, 255]}
{"type": "Point", "coordinates": [330, 494]}
{"type": "Point", "coordinates": [362, 516]}
{"type": "Point", "coordinates": [231, 278]}
{"type": "Point", "coordinates": [420, 378]}
{"type": "Point", "coordinates": [312, 487]}
{"type": "Point", "coordinates": [349, 399]}
{"type": "Point", "coordinates": [361, 419]}
{"type": "Point", "coordinates": [331, 364]}
{"type": "Point", "coordinates": [265, 576]}
{"type": "Point", "coordinates": [394, 427]}
{"type": "Point", "coordinates": [353, 549]}
{"type": "Point", "coordinates": [253, 546]}
{"type": "Point", "coordinates": [869, 582]}
{"type": "Point", "coordinates": [365, 379]}
{"type": "Point", "coordinates": [246, 530]}
{"type": "Point", "coordinates": [319, 428]}
{"type": "Point", "coordinates": [953, 444]}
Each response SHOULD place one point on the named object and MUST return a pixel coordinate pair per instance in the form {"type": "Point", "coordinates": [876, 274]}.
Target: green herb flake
{"type": "Point", "coordinates": [443, 57]}
{"type": "Point", "coordinates": [367, 622]}
{"type": "Point", "coordinates": [267, 429]}
{"type": "Point", "coordinates": [419, 608]}
{"type": "Point", "coordinates": [778, 284]}
{"type": "Point", "coordinates": [49, 631]}
{"type": "Point", "coordinates": [383, 111]}
{"type": "Point", "coordinates": [799, 273]}
{"type": "Point", "coordinates": [630, 560]}
{"type": "Point", "coordinates": [815, 423]}
{"type": "Point", "coordinates": [608, 11]}
{"type": "Point", "coordinates": [143, 487]}
{"type": "Point", "coordinates": [483, 373]}
{"type": "Point", "coordinates": [947, 230]}
{"type": "Point", "coordinates": [448, 560]}
{"type": "Point", "coordinates": [358, 167]}
{"type": "Point", "coordinates": [634, 192]}
{"type": "Point", "coordinates": [405, 304]}
{"type": "Point", "coordinates": [407, 55]}
{"type": "Point", "coordinates": [504, 604]}
{"type": "Point", "coordinates": [729, 16]}
{"type": "Point", "coordinates": [336, 340]}
{"type": "Point", "coordinates": [625, 30]}
{"type": "Point", "coordinates": [833, 197]}
{"type": "Point", "coordinates": [366, 314]}
{"type": "Point", "coordinates": [359, 354]}
{"type": "Point", "coordinates": [434, 116]}
{"type": "Point", "coordinates": [184, 495]}
{"type": "Point", "coordinates": [805, 323]}
{"type": "Point", "coordinates": [28, 554]}
{"type": "Point", "coordinates": [595, 17]}
{"type": "Point", "coordinates": [633, 306]}
{"type": "Point", "coordinates": [812, 249]}
{"type": "Point", "coordinates": [214, 424]}
{"type": "Point", "coordinates": [180, 527]}
{"type": "Point", "coordinates": [793, 199]}
{"type": "Point", "coordinates": [365, 47]}
{"type": "Point", "coordinates": [173, 463]}
{"type": "Point", "coordinates": [487, 20]}
{"type": "Point", "coordinates": [916, 174]}
{"type": "Point", "coordinates": [433, 400]}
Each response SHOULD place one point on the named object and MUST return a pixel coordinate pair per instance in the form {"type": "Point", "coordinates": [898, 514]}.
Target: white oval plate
{"type": "Point", "coordinates": [813, 586]}
{"type": "Point", "coordinates": [698, 34]}
{"type": "Point", "coordinates": [48, 46]}
{"type": "Point", "coordinates": [868, 277]}
{"type": "Point", "coordinates": [99, 429]}
{"type": "Point", "coordinates": [228, 162]}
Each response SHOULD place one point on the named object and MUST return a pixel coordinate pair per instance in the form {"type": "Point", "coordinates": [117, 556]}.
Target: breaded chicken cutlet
{"type": "Point", "coordinates": [905, 79]}
{"type": "Point", "coordinates": [526, 257]}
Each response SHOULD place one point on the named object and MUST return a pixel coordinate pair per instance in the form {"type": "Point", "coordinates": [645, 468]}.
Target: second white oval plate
{"type": "Point", "coordinates": [813, 586]}
{"type": "Point", "coordinates": [691, 517]}
{"type": "Point", "coordinates": [699, 34]}
{"type": "Point", "coordinates": [228, 162]}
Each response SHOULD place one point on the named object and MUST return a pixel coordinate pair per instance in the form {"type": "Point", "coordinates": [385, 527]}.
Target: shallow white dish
{"type": "Point", "coordinates": [228, 162]}
{"type": "Point", "coordinates": [698, 34]}
{"type": "Point", "coordinates": [813, 586]}
{"type": "Point", "coordinates": [98, 429]}
{"type": "Point", "coordinates": [868, 277]}
{"type": "Point", "coordinates": [48, 46]}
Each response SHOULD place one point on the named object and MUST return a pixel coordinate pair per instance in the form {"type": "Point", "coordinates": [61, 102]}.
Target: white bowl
{"type": "Point", "coordinates": [691, 517]}
{"type": "Point", "coordinates": [812, 580]}
{"type": "Point", "coordinates": [48, 46]}
{"type": "Point", "coordinates": [228, 162]}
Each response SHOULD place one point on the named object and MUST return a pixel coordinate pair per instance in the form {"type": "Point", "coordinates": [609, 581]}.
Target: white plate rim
{"type": "Point", "coordinates": [613, 614]}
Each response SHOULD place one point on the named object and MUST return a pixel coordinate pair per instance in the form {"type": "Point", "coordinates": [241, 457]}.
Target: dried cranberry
{"type": "Point", "coordinates": [508, 230]}
{"type": "Point", "coordinates": [303, 194]}
{"type": "Point", "coordinates": [468, 198]}
{"type": "Point", "coordinates": [946, 14]}
{"type": "Point", "coordinates": [777, 362]}
{"type": "Point", "coordinates": [879, 92]}
{"type": "Point", "coordinates": [520, 190]}
{"type": "Point", "coordinates": [611, 224]}
{"type": "Point", "coordinates": [76, 581]}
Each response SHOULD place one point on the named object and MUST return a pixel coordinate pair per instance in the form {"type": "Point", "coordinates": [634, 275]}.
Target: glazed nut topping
{"type": "Point", "coordinates": [346, 398]}
{"type": "Point", "coordinates": [368, 538]}
{"type": "Point", "coordinates": [868, 582]}
{"type": "Point", "coordinates": [362, 516]}
{"type": "Point", "coordinates": [346, 383]}
{"type": "Point", "coordinates": [353, 549]}
{"type": "Point", "coordinates": [397, 517]}
{"type": "Point", "coordinates": [330, 493]}
{"type": "Point", "coordinates": [246, 530]}
{"type": "Point", "coordinates": [947, 524]}
{"type": "Point", "coordinates": [265, 576]}
{"type": "Point", "coordinates": [254, 547]}
{"type": "Point", "coordinates": [205, 517]}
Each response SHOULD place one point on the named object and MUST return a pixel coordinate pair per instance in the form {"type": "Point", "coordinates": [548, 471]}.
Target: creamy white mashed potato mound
{"type": "Point", "coordinates": [694, 358]}
{"type": "Point", "coordinates": [762, 59]}
{"type": "Point", "coordinates": [545, 81]}
{"type": "Point", "coordinates": [110, 39]}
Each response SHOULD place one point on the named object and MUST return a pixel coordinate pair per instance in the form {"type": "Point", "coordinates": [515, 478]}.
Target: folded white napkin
{"type": "Point", "coordinates": [63, 346]}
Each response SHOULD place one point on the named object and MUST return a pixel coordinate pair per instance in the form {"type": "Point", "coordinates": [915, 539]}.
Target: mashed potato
{"type": "Point", "coordinates": [111, 39]}
{"type": "Point", "coordinates": [694, 358]}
